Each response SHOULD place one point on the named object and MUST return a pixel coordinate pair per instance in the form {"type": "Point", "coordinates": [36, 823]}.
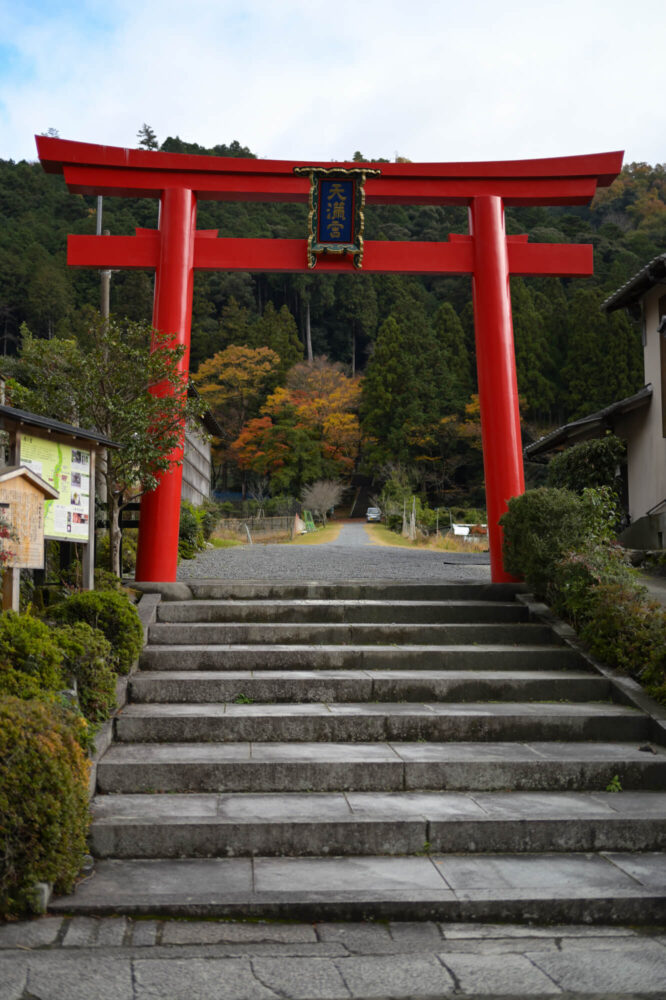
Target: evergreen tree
{"type": "Point", "coordinates": [278, 330]}
{"type": "Point", "coordinates": [533, 358]}
{"type": "Point", "coordinates": [356, 307]}
{"type": "Point", "coordinates": [451, 339]}
{"type": "Point", "coordinates": [147, 137]}
{"type": "Point", "coordinates": [390, 395]}
{"type": "Point", "coordinates": [407, 387]}
{"type": "Point", "coordinates": [586, 368]}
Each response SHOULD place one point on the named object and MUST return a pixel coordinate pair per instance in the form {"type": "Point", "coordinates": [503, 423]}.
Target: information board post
{"type": "Point", "coordinates": [88, 561]}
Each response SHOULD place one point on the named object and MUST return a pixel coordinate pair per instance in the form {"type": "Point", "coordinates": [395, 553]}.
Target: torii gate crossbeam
{"type": "Point", "coordinates": [176, 249]}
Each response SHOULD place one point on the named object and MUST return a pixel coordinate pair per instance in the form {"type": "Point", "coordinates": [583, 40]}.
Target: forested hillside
{"type": "Point", "coordinates": [412, 338]}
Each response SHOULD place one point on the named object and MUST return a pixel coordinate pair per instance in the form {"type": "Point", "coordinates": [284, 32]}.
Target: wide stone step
{"type": "Point", "coordinates": [344, 634]}
{"type": "Point", "coordinates": [362, 722]}
{"type": "Point", "coordinates": [330, 657]}
{"type": "Point", "coordinates": [393, 823]}
{"type": "Point", "coordinates": [366, 685]}
{"type": "Point", "coordinates": [350, 612]}
{"type": "Point", "coordinates": [361, 590]}
{"type": "Point", "coordinates": [611, 887]}
{"type": "Point", "coordinates": [284, 767]}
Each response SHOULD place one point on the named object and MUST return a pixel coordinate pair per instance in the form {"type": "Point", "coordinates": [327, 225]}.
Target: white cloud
{"type": "Point", "coordinates": [307, 79]}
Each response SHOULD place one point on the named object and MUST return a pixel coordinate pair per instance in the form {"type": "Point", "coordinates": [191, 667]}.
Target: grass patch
{"type": "Point", "coordinates": [381, 535]}
{"type": "Point", "coordinates": [318, 537]}
{"type": "Point", "coordinates": [454, 543]}
{"type": "Point", "coordinates": [224, 543]}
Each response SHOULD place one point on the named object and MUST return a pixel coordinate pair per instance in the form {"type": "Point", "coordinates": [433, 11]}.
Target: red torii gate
{"type": "Point", "coordinates": [177, 248]}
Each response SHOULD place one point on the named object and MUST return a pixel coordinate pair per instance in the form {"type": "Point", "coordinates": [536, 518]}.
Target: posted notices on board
{"type": "Point", "coordinates": [68, 471]}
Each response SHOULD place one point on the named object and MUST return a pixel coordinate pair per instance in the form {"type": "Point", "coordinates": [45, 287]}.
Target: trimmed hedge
{"type": "Point", "coordinates": [43, 801]}
{"type": "Point", "coordinates": [542, 525]}
{"type": "Point", "coordinates": [30, 658]}
{"type": "Point", "coordinates": [88, 659]}
{"type": "Point", "coordinates": [589, 464]}
{"type": "Point", "coordinates": [562, 544]}
{"type": "Point", "coordinates": [111, 613]}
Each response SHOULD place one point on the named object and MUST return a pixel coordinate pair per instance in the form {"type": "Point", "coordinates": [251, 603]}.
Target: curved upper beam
{"type": "Point", "coordinates": [93, 169]}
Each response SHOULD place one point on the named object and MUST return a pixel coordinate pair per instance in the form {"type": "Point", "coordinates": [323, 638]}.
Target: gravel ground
{"type": "Point", "coordinates": [352, 556]}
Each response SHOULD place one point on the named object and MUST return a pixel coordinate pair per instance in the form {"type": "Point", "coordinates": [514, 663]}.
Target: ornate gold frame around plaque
{"type": "Point", "coordinates": [353, 226]}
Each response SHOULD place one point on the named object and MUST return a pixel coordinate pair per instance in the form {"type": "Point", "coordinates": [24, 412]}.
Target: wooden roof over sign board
{"type": "Point", "coordinates": [15, 471]}
{"type": "Point", "coordinates": [12, 419]}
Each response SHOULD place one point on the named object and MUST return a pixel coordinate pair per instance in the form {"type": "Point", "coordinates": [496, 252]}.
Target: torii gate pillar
{"type": "Point", "coordinates": [157, 554]}
{"type": "Point", "coordinates": [496, 369]}
{"type": "Point", "coordinates": [487, 254]}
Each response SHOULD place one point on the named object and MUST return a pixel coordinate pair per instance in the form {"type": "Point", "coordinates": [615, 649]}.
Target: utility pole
{"type": "Point", "coordinates": [105, 276]}
{"type": "Point", "coordinates": [105, 298]}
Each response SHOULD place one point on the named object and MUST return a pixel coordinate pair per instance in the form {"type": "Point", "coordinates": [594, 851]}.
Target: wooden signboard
{"type": "Point", "coordinates": [22, 495]}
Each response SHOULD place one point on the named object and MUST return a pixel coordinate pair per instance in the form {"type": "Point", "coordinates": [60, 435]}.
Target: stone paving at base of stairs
{"type": "Point", "coordinates": [115, 958]}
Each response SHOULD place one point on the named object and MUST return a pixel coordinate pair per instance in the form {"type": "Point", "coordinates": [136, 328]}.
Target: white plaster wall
{"type": "Point", "coordinates": [634, 429]}
{"type": "Point", "coordinates": [647, 478]}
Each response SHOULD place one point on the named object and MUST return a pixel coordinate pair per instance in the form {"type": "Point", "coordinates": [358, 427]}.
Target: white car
{"type": "Point", "coordinates": [373, 514]}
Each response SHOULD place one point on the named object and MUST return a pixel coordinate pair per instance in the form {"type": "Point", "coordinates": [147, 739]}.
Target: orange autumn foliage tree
{"type": "Point", "coordinates": [233, 384]}
{"type": "Point", "coordinates": [307, 430]}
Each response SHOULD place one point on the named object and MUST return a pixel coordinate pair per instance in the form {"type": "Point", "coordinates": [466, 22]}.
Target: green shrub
{"type": "Point", "coordinates": [281, 505]}
{"type": "Point", "coordinates": [464, 515]}
{"type": "Point", "coordinates": [129, 549]}
{"type": "Point", "coordinates": [588, 464]}
{"type": "Point", "coordinates": [87, 659]}
{"type": "Point", "coordinates": [579, 572]}
{"type": "Point", "coordinates": [209, 517]}
{"type": "Point", "coordinates": [113, 615]}
{"type": "Point", "coordinates": [539, 528]}
{"type": "Point", "coordinates": [190, 532]}
{"type": "Point", "coordinates": [104, 579]}
{"type": "Point", "coordinates": [27, 646]}
{"type": "Point", "coordinates": [626, 630]}
{"type": "Point", "coordinates": [542, 525]}
{"type": "Point", "coordinates": [19, 684]}
{"type": "Point", "coordinates": [227, 508]}
{"type": "Point", "coordinates": [43, 801]}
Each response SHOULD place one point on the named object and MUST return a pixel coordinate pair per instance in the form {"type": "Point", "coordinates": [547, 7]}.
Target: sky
{"type": "Point", "coordinates": [320, 79]}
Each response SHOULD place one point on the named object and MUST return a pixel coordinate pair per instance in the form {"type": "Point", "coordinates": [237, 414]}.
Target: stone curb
{"type": "Point", "coordinates": [627, 691]}
{"type": "Point", "coordinates": [163, 591]}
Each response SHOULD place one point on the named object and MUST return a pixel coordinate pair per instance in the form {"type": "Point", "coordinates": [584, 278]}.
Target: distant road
{"type": "Point", "coordinates": [352, 556]}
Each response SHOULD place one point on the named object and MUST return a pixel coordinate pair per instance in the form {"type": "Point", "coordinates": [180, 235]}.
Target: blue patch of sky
{"type": "Point", "coordinates": [87, 18]}
{"type": "Point", "coordinates": [14, 63]}
{"type": "Point", "coordinates": [89, 14]}
{"type": "Point", "coordinates": [240, 24]}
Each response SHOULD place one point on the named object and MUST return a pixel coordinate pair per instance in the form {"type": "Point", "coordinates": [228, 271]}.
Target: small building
{"type": "Point", "coordinates": [639, 420]}
{"type": "Point", "coordinates": [22, 500]}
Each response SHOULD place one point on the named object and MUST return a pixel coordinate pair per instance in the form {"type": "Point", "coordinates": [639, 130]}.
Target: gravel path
{"type": "Point", "coordinates": [352, 556]}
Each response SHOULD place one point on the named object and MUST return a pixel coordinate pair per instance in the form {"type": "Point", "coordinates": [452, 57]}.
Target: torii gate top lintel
{"type": "Point", "coordinates": [177, 249]}
{"type": "Point", "coordinates": [113, 170]}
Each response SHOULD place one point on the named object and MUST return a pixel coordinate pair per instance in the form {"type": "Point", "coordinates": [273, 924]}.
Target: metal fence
{"type": "Point", "coordinates": [256, 524]}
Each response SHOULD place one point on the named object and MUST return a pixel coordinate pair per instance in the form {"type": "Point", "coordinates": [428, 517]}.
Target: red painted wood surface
{"type": "Point", "coordinates": [157, 554]}
{"type": "Point", "coordinates": [238, 254]}
{"type": "Point", "coordinates": [55, 153]}
{"type": "Point", "coordinates": [496, 367]}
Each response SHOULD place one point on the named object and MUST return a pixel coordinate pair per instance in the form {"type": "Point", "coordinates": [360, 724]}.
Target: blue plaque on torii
{"type": "Point", "coordinates": [336, 219]}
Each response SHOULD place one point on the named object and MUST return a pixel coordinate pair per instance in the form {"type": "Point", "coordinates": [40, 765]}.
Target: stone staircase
{"type": "Point", "coordinates": [314, 751]}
